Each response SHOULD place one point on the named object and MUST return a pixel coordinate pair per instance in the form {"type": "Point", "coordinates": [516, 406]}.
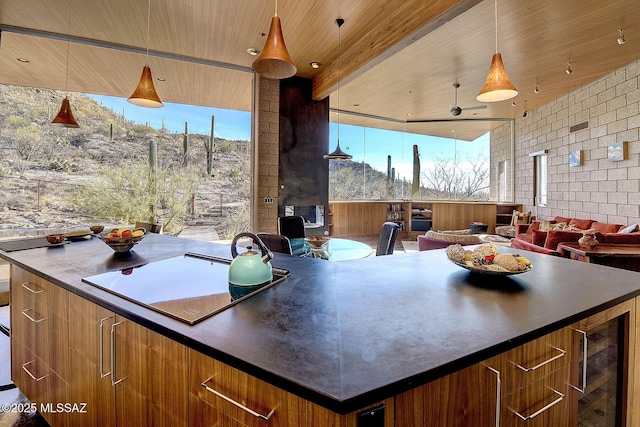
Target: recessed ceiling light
{"type": "Point", "coordinates": [315, 64]}
{"type": "Point", "coordinates": [23, 60]}
{"type": "Point", "coordinates": [161, 79]}
{"type": "Point", "coordinates": [253, 51]}
{"type": "Point", "coordinates": [356, 105]}
{"type": "Point", "coordinates": [409, 114]}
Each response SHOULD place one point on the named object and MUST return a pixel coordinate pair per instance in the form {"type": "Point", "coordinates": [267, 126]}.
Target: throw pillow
{"type": "Point", "coordinates": [535, 225]}
{"type": "Point", "coordinates": [520, 217]}
{"type": "Point", "coordinates": [582, 224]}
{"type": "Point", "coordinates": [539, 238]}
{"type": "Point", "coordinates": [630, 229]}
{"type": "Point", "coordinates": [545, 225]}
{"type": "Point", "coordinates": [561, 219]}
{"type": "Point", "coordinates": [606, 228]}
{"type": "Point", "coordinates": [555, 237]}
{"type": "Point", "coordinates": [559, 226]}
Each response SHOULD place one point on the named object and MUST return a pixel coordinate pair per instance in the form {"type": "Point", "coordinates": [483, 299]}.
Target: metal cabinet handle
{"type": "Point", "coordinates": [233, 402]}
{"type": "Point", "coordinates": [584, 362]}
{"type": "Point", "coordinates": [114, 382]}
{"type": "Point", "coordinates": [560, 354]}
{"type": "Point", "coordinates": [102, 373]}
{"type": "Point", "coordinates": [498, 382]}
{"type": "Point", "coordinates": [24, 312]}
{"type": "Point", "coordinates": [34, 291]}
{"type": "Point", "coordinates": [541, 410]}
{"type": "Point", "coordinates": [24, 366]}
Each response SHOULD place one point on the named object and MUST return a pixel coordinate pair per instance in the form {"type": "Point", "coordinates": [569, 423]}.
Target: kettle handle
{"type": "Point", "coordinates": [266, 253]}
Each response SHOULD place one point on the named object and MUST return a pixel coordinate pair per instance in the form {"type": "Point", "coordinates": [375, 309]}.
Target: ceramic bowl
{"type": "Point", "coordinates": [317, 242]}
{"type": "Point", "coordinates": [96, 229]}
{"type": "Point", "coordinates": [55, 239]}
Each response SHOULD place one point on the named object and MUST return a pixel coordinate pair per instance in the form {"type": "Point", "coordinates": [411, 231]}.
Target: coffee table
{"type": "Point", "coordinates": [577, 252]}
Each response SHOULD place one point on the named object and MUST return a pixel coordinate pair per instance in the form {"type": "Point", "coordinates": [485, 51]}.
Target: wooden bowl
{"type": "Point", "coordinates": [55, 239]}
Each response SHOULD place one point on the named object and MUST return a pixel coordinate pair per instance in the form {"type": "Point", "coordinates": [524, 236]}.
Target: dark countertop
{"type": "Point", "coordinates": [347, 334]}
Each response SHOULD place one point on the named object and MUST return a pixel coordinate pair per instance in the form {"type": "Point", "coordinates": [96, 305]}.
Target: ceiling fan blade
{"type": "Point", "coordinates": [477, 107]}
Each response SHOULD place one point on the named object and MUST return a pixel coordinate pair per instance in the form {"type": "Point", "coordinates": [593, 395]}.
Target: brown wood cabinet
{"type": "Point", "coordinates": [365, 217]}
{"type": "Point", "coordinates": [130, 374]}
{"type": "Point", "coordinates": [39, 331]}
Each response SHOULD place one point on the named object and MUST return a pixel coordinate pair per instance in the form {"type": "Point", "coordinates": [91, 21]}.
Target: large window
{"type": "Point", "coordinates": [384, 163]}
{"type": "Point", "coordinates": [540, 175]}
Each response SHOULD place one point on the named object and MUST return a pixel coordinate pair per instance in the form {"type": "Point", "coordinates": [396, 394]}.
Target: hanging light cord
{"type": "Point", "coordinates": [495, 9]}
{"type": "Point", "coordinates": [338, 92]}
{"type": "Point", "coordinates": [148, 24]}
{"type": "Point", "coordinates": [66, 78]}
{"type": "Point", "coordinates": [276, 8]}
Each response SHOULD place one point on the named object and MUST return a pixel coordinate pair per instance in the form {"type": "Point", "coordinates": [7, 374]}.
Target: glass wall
{"type": "Point", "coordinates": [384, 163]}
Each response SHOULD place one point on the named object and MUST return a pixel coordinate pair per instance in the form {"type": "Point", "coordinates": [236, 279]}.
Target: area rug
{"type": "Point", "coordinates": [410, 245]}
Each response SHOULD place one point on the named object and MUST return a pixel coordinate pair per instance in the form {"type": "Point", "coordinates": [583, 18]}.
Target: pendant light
{"type": "Point", "coordinates": [274, 61]}
{"type": "Point", "coordinates": [338, 154]}
{"type": "Point", "coordinates": [497, 87]}
{"type": "Point", "coordinates": [65, 115]}
{"type": "Point", "coordinates": [145, 94]}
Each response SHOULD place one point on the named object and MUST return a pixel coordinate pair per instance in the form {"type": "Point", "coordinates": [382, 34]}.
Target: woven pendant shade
{"type": "Point", "coordinates": [65, 116]}
{"type": "Point", "coordinates": [497, 87]}
{"type": "Point", "coordinates": [145, 94]}
{"type": "Point", "coordinates": [274, 61]}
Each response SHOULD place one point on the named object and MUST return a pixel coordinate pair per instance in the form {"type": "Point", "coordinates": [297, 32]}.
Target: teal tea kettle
{"type": "Point", "coordinates": [250, 270]}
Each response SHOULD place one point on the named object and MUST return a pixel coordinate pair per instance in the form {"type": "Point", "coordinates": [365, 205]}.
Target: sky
{"type": "Point", "coordinates": [229, 124]}
{"type": "Point", "coordinates": [364, 144]}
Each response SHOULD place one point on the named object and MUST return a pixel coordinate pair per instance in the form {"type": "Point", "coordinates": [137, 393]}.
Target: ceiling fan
{"type": "Point", "coordinates": [455, 110]}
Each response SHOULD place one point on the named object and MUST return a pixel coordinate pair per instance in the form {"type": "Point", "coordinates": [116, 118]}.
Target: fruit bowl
{"type": "Point", "coordinates": [122, 241]}
{"type": "Point", "coordinates": [317, 242]}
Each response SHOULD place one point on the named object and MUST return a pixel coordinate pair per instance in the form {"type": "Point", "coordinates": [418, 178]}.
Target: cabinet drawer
{"type": "Point", "coordinates": [533, 360]}
{"type": "Point", "coordinates": [542, 403]}
{"type": "Point", "coordinates": [218, 385]}
{"type": "Point", "coordinates": [29, 291]}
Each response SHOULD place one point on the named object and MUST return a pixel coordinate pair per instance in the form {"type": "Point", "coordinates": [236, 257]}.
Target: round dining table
{"type": "Point", "coordinates": [336, 249]}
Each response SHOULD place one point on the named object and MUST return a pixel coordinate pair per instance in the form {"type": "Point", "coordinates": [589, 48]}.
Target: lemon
{"type": "Point", "coordinates": [523, 260]}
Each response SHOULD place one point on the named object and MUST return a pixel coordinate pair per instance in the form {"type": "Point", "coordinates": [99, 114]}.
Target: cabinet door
{"type": "Point", "coordinates": [533, 360]}
{"type": "Point", "coordinates": [217, 384]}
{"type": "Point", "coordinates": [90, 357]}
{"type": "Point", "coordinates": [465, 398]}
{"type": "Point", "coordinates": [39, 334]}
{"type": "Point", "coordinates": [542, 403]}
{"type": "Point", "coordinates": [150, 375]}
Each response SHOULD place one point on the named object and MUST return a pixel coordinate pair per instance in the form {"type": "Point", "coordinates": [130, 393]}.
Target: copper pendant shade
{"type": "Point", "coordinates": [65, 116]}
{"type": "Point", "coordinates": [497, 87]}
{"type": "Point", "coordinates": [274, 61]}
{"type": "Point", "coordinates": [145, 94]}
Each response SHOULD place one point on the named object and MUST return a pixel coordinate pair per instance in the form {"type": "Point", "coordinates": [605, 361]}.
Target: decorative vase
{"type": "Point", "coordinates": [588, 240]}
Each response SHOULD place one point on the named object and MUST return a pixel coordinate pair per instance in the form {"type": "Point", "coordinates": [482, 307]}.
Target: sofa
{"type": "Point", "coordinates": [441, 239]}
{"type": "Point", "coordinates": [546, 236]}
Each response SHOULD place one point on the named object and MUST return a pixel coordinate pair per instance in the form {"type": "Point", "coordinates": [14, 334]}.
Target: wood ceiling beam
{"type": "Point", "coordinates": [386, 37]}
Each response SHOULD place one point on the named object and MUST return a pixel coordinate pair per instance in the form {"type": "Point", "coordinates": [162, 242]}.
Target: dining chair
{"type": "Point", "coordinates": [276, 242]}
{"type": "Point", "coordinates": [387, 239]}
{"type": "Point", "coordinates": [291, 226]}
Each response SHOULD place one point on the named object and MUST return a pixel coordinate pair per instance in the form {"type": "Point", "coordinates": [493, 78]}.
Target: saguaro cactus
{"type": "Point", "coordinates": [415, 184]}
{"type": "Point", "coordinates": [185, 142]}
{"type": "Point", "coordinates": [153, 167]}
{"type": "Point", "coordinates": [211, 148]}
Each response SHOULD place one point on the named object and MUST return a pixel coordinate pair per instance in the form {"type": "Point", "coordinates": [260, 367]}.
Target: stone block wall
{"type": "Point", "coordinates": [267, 155]}
{"type": "Point", "coordinates": [598, 189]}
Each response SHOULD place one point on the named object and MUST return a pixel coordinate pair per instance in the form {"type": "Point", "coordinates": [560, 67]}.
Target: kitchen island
{"type": "Point", "coordinates": [329, 341]}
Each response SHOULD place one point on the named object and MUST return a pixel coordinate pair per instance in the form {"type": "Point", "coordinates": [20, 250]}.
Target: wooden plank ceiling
{"type": "Point", "coordinates": [399, 57]}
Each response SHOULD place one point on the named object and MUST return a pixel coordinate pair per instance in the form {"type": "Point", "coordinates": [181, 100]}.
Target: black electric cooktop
{"type": "Point", "coordinates": [189, 287]}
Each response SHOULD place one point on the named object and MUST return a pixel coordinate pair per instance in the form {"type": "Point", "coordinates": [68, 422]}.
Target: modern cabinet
{"type": "Point", "coordinates": [604, 354]}
{"type": "Point", "coordinates": [39, 331]}
{"type": "Point", "coordinates": [224, 392]}
{"type": "Point", "coordinates": [128, 374]}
